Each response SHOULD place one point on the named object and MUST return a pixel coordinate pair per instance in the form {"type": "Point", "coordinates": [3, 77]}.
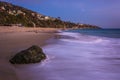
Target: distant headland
{"type": "Point", "coordinates": [12, 15]}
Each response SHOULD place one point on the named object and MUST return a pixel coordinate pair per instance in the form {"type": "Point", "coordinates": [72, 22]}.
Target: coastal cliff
{"type": "Point", "coordinates": [12, 15]}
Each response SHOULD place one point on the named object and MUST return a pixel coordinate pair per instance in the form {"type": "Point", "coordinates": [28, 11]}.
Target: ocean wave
{"type": "Point", "coordinates": [81, 38]}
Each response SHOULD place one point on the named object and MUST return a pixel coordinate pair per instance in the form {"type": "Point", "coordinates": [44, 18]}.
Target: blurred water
{"type": "Point", "coordinates": [112, 33]}
{"type": "Point", "coordinates": [81, 57]}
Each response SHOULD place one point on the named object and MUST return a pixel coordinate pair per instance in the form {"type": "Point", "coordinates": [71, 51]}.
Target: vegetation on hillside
{"type": "Point", "coordinates": [14, 15]}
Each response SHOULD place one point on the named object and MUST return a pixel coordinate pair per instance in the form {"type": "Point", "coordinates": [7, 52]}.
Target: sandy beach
{"type": "Point", "coordinates": [15, 39]}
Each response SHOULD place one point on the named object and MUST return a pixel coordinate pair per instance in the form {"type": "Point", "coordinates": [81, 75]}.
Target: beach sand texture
{"type": "Point", "coordinates": [13, 40]}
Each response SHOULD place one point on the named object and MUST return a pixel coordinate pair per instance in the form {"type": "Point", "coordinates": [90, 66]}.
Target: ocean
{"type": "Point", "coordinates": [81, 55]}
{"type": "Point", "coordinates": [112, 33]}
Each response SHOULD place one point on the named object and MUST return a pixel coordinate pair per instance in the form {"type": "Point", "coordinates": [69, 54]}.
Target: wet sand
{"type": "Point", "coordinates": [13, 40]}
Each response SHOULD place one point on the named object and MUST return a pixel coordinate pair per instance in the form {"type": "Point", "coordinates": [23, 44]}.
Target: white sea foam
{"type": "Point", "coordinates": [47, 60]}
{"type": "Point", "coordinates": [80, 38]}
{"type": "Point", "coordinates": [83, 58]}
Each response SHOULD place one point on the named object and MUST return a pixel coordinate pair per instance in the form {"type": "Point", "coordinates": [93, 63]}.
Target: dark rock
{"type": "Point", "coordinates": [33, 54]}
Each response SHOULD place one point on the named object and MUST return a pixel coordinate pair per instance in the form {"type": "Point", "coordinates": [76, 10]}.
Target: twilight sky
{"type": "Point", "coordinates": [104, 13]}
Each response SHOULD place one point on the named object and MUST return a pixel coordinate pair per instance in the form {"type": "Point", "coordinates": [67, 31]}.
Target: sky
{"type": "Point", "coordinates": [103, 13]}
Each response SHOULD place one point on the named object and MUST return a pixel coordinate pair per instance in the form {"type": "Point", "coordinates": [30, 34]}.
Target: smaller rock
{"type": "Point", "coordinates": [33, 54]}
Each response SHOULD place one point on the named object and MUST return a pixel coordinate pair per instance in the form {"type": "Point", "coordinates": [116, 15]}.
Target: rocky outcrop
{"type": "Point", "coordinates": [33, 54]}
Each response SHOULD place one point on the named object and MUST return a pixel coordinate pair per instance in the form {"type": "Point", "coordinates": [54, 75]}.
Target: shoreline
{"type": "Point", "coordinates": [9, 29]}
{"type": "Point", "coordinates": [15, 39]}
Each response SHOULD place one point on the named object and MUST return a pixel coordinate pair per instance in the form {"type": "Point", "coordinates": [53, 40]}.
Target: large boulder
{"type": "Point", "coordinates": [33, 54]}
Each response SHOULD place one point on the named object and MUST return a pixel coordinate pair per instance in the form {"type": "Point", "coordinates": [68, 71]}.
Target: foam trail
{"type": "Point", "coordinates": [80, 38]}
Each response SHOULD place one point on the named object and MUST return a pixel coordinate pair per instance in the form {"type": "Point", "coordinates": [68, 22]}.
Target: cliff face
{"type": "Point", "coordinates": [14, 15]}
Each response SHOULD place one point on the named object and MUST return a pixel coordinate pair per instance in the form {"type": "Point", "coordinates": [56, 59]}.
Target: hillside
{"type": "Point", "coordinates": [12, 15]}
